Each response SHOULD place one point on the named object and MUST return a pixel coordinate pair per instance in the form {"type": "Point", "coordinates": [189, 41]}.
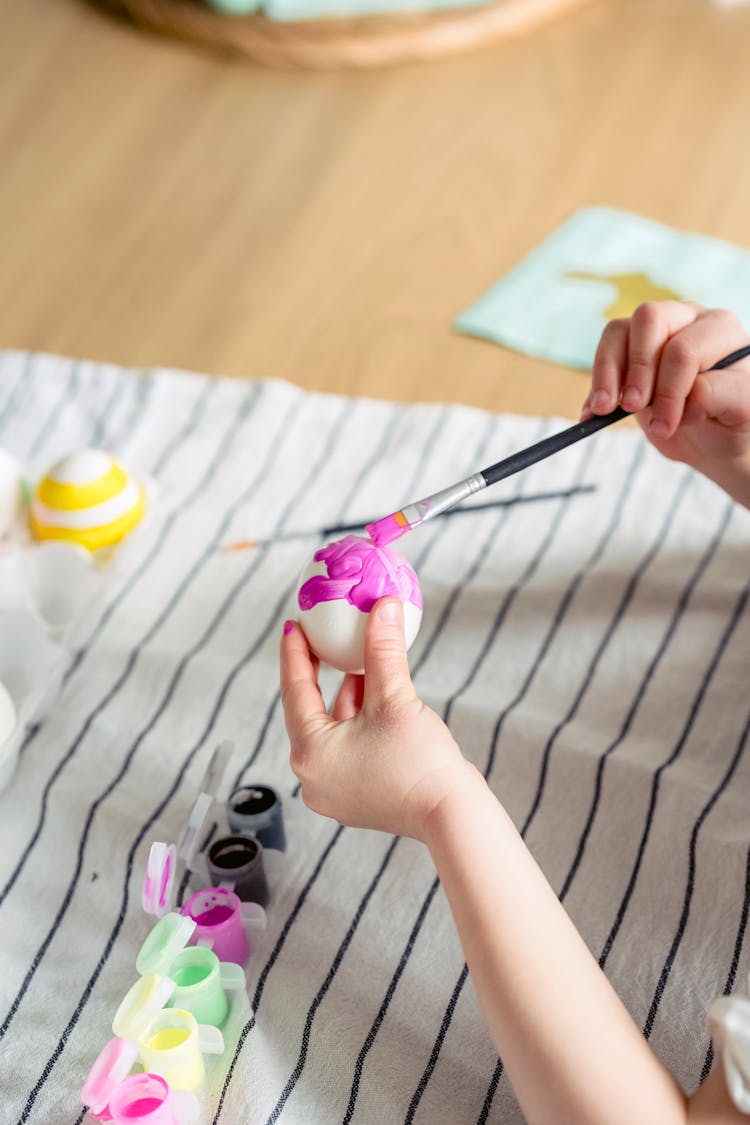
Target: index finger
{"type": "Point", "coordinates": [300, 694]}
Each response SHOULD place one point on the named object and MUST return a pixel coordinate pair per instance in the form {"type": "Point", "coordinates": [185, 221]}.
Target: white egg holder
{"type": "Point", "coordinates": [45, 589]}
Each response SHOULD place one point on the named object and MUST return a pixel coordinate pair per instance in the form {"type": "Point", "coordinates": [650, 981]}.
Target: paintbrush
{"type": "Point", "coordinates": [392, 527]}
{"type": "Point", "coordinates": [339, 528]}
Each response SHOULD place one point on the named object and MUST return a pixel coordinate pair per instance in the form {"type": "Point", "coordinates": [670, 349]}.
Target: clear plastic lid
{"type": "Point", "coordinates": [170, 935]}
{"type": "Point", "coordinates": [194, 826]}
{"type": "Point", "coordinates": [158, 880]}
{"type": "Point", "coordinates": [142, 1004]}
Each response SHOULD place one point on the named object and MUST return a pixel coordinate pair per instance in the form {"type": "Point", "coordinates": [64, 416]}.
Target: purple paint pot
{"type": "Point", "coordinates": [237, 861]}
{"type": "Point", "coordinates": [221, 922]}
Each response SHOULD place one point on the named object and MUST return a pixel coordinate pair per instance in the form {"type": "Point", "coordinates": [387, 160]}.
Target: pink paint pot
{"type": "Point", "coordinates": [146, 1098]}
{"type": "Point", "coordinates": [113, 1094]}
{"type": "Point", "coordinates": [222, 921]}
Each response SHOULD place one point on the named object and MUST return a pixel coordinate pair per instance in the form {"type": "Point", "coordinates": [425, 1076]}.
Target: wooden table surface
{"type": "Point", "coordinates": [162, 206]}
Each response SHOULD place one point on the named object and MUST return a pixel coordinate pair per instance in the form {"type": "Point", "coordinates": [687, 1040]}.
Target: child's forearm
{"type": "Point", "coordinates": [572, 1052]}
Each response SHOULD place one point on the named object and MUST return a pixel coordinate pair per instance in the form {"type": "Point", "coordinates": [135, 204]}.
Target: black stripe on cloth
{"type": "Point", "coordinates": [301, 899]}
{"type": "Point", "coordinates": [679, 611]}
{"type": "Point", "coordinates": [20, 384]}
{"type": "Point", "coordinates": [732, 974]}
{"type": "Point", "coordinates": [189, 427]}
{"type": "Point", "coordinates": [70, 389]}
{"type": "Point", "coordinates": [609, 632]}
{"type": "Point", "coordinates": [327, 450]}
{"type": "Point", "coordinates": [617, 511]}
{"type": "Point", "coordinates": [99, 428]}
{"type": "Point", "coordinates": [500, 616]}
{"type": "Point", "coordinates": [333, 969]}
{"type": "Point", "coordinates": [690, 885]}
{"type": "Point", "coordinates": [145, 389]}
{"type": "Point", "coordinates": [438, 531]}
{"type": "Point", "coordinates": [233, 431]}
{"type": "Point", "coordinates": [336, 962]}
{"type": "Point", "coordinates": [622, 606]}
{"type": "Point", "coordinates": [249, 491]}
{"type": "Point", "coordinates": [249, 403]}
{"type": "Point", "coordinates": [713, 664]}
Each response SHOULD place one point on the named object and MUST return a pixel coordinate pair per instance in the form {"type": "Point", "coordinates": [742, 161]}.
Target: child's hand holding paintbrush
{"type": "Point", "coordinates": [381, 759]}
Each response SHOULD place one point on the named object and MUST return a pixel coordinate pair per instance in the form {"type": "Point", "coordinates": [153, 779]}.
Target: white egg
{"type": "Point", "coordinates": [338, 588]}
{"type": "Point", "coordinates": [7, 715]}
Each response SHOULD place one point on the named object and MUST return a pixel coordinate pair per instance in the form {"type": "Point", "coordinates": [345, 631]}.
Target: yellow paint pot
{"type": "Point", "coordinates": [171, 1042]}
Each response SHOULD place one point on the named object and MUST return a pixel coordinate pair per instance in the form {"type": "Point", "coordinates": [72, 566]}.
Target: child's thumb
{"type": "Point", "coordinates": [386, 662]}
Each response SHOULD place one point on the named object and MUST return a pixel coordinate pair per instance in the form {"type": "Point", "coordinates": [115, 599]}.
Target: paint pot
{"type": "Point", "coordinates": [201, 980]}
{"type": "Point", "coordinates": [171, 1042]}
{"type": "Point", "coordinates": [113, 1094]}
{"type": "Point", "coordinates": [238, 861]}
{"type": "Point", "coordinates": [255, 810]}
{"type": "Point", "coordinates": [221, 922]}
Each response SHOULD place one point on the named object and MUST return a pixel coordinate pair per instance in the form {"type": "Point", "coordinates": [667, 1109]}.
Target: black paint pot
{"type": "Point", "coordinates": [255, 810]}
{"type": "Point", "coordinates": [237, 861]}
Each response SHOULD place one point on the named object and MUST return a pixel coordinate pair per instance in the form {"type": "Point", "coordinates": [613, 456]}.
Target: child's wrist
{"type": "Point", "coordinates": [734, 479]}
{"type": "Point", "coordinates": [458, 802]}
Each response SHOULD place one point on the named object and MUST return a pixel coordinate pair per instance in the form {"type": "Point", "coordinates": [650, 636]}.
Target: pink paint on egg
{"type": "Point", "coordinates": [338, 589]}
{"type": "Point", "coordinates": [360, 571]}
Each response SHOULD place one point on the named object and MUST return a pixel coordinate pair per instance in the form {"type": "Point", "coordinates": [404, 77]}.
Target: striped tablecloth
{"type": "Point", "coordinates": [590, 654]}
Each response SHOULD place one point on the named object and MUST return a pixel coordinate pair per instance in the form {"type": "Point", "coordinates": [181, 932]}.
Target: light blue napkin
{"type": "Point", "coordinates": [602, 263]}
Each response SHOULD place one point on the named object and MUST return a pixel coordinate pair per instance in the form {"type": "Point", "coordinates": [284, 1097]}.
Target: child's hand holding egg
{"type": "Point", "coordinates": [339, 587]}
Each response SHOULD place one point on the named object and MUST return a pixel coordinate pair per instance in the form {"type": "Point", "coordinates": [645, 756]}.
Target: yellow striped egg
{"type": "Point", "coordinates": [88, 499]}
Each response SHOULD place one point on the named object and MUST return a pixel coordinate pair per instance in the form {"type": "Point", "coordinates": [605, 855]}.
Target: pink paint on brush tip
{"type": "Point", "coordinates": [389, 528]}
{"type": "Point", "coordinates": [359, 572]}
{"type": "Point", "coordinates": [288, 628]}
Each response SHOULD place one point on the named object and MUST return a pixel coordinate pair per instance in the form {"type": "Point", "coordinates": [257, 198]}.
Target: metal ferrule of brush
{"type": "Point", "coordinates": [439, 502]}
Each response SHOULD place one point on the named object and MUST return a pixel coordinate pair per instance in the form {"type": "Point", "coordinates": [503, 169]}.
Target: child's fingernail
{"type": "Point", "coordinates": [659, 429]}
{"type": "Point", "coordinates": [389, 611]}
{"type": "Point", "coordinates": [599, 400]}
{"type": "Point", "coordinates": [288, 627]}
{"type": "Point", "coordinates": [631, 400]}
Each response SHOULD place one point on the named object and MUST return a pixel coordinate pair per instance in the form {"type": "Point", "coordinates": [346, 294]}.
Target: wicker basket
{"type": "Point", "coordinates": [367, 41]}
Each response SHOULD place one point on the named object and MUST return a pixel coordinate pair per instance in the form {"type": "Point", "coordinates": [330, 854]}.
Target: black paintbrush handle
{"type": "Point", "coordinates": [547, 446]}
